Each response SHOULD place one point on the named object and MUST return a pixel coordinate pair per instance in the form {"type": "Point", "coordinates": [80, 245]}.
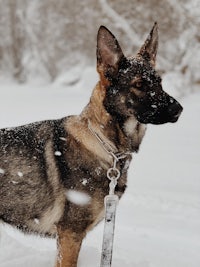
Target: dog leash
{"type": "Point", "coordinates": [110, 202]}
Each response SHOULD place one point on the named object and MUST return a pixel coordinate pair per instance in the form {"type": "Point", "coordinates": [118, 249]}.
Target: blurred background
{"type": "Point", "coordinates": [44, 40]}
{"type": "Point", "coordinates": [48, 70]}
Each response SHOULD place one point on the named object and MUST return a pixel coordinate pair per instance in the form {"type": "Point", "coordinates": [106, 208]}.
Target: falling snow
{"type": "Point", "coordinates": [36, 221]}
{"type": "Point", "coordinates": [84, 181]}
{"type": "Point", "coordinates": [2, 171]}
{"type": "Point", "coordinates": [14, 182]}
{"type": "Point", "coordinates": [152, 94]}
{"type": "Point", "coordinates": [98, 170]}
{"type": "Point", "coordinates": [154, 106]}
{"type": "Point", "coordinates": [20, 174]}
{"type": "Point", "coordinates": [78, 198]}
{"type": "Point", "coordinates": [58, 153]}
{"type": "Point", "coordinates": [62, 138]}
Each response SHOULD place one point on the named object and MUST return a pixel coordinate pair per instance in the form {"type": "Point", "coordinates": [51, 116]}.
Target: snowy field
{"type": "Point", "coordinates": [158, 219]}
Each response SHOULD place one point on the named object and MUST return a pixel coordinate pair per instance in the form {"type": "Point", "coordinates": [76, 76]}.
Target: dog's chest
{"type": "Point", "coordinates": [135, 132]}
{"type": "Point", "coordinates": [130, 126]}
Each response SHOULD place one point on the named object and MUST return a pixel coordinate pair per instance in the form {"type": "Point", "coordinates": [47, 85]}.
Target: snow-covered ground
{"type": "Point", "coordinates": [158, 219]}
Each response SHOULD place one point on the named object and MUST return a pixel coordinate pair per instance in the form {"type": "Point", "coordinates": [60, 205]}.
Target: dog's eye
{"type": "Point", "coordinates": [137, 85]}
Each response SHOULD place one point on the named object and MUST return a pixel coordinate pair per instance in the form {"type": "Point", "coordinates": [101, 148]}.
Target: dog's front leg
{"type": "Point", "coordinates": [68, 244]}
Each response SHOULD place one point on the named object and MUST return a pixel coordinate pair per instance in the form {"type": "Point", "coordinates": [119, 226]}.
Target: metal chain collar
{"type": "Point", "coordinates": [113, 173]}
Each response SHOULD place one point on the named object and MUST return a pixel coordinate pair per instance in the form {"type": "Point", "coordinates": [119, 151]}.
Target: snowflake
{"type": "Point", "coordinates": [58, 153]}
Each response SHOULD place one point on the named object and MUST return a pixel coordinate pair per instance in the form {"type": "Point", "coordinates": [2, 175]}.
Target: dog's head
{"type": "Point", "coordinates": [132, 86]}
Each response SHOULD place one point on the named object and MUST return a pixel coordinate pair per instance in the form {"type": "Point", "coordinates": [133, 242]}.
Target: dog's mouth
{"type": "Point", "coordinates": [176, 117]}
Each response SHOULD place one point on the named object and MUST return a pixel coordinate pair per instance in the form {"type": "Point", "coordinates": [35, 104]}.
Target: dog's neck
{"type": "Point", "coordinates": [124, 137]}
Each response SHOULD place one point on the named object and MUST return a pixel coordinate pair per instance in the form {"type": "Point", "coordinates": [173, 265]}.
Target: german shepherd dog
{"type": "Point", "coordinates": [53, 173]}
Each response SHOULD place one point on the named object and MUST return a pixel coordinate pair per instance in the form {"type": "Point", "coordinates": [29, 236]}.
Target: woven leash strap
{"type": "Point", "coordinates": [109, 227]}
{"type": "Point", "coordinates": [111, 202]}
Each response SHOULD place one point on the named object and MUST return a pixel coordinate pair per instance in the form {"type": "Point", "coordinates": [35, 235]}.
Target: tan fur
{"type": "Point", "coordinates": [68, 248]}
{"type": "Point", "coordinates": [79, 129]}
{"type": "Point", "coordinates": [96, 115]}
{"type": "Point", "coordinates": [95, 111]}
{"type": "Point", "coordinates": [134, 129]}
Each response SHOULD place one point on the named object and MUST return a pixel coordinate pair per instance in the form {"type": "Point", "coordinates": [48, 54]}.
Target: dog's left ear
{"type": "Point", "coordinates": [109, 52]}
{"type": "Point", "coordinates": [149, 49]}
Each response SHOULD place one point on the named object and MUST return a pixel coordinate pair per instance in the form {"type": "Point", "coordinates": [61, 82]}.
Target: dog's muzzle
{"type": "Point", "coordinates": [162, 112]}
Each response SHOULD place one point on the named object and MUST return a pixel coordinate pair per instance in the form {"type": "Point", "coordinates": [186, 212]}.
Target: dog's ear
{"type": "Point", "coordinates": [149, 49]}
{"type": "Point", "coordinates": [109, 52]}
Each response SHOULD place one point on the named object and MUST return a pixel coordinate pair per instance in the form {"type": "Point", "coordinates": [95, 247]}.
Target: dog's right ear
{"type": "Point", "coordinates": [149, 49]}
{"type": "Point", "coordinates": [109, 53]}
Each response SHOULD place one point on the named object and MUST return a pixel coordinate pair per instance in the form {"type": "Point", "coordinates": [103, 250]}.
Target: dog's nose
{"type": "Point", "coordinates": [175, 110]}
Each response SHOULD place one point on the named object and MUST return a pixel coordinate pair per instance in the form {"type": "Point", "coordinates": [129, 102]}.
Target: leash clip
{"type": "Point", "coordinates": [113, 174]}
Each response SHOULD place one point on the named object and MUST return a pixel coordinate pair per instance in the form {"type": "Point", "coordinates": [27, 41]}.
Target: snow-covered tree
{"type": "Point", "coordinates": [43, 39]}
